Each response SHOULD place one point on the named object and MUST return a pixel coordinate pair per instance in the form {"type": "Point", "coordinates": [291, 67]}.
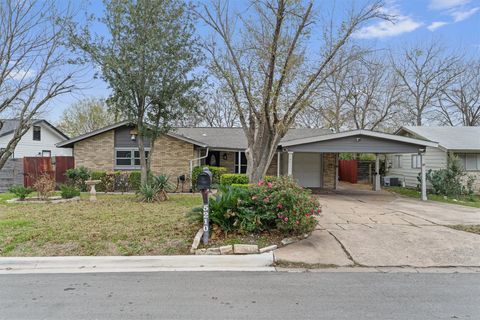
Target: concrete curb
{"type": "Point", "coordinates": [23, 265]}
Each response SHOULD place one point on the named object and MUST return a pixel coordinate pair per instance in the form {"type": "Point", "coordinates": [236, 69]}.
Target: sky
{"type": "Point", "coordinates": [454, 23]}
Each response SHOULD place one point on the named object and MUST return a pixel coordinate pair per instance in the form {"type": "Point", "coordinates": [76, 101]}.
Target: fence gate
{"type": "Point", "coordinates": [347, 170]}
{"type": "Point", "coordinates": [55, 167]}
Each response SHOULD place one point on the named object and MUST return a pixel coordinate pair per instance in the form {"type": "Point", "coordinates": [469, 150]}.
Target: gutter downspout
{"type": "Point", "coordinates": [196, 159]}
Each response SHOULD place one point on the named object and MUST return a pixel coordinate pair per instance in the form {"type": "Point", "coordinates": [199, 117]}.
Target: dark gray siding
{"type": "Point", "coordinates": [363, 145]}
{"type": "Point", "coordinates": [123, 138]}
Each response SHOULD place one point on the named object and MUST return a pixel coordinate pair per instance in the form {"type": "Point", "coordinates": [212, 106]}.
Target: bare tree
{"type": "Point", "coordinates": [32, 63]}
{"type": "Point", "coordinates": [424, 72]}
{"type": "Point", "coordinates": [218, 112]}
{"type": "Point", "coordinates": [460, 101]}
{"type": "Point", "coordinates": [373, 94]}
{"type": "Point", "coordinates": [262, 60]}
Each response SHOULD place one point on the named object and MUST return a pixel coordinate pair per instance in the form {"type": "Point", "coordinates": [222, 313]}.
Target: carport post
{"type": "Point", "coordinates": [423, 174]}
{"type": "Point", "coordinates": [290, 163]}
{"type": "Point", "coordinates": [376, 184]}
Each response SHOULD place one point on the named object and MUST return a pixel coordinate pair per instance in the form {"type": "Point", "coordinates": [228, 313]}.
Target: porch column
{"type": "Point", "coordinates": [376, 181]}
{"type": "Point", "coordinates": [335, 182]}
{"type": "Point", "coordinates": [423, 174]}
{"type": "Point", "coordinates": [290, 163]}
{"type": "Point", "coordinates": [278, 163]}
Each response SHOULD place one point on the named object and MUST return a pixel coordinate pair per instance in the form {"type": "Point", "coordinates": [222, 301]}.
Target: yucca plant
{"type": "Point", "coordinates": [148, 193]}
{"type": "Point", "coordinates": [163, 185]}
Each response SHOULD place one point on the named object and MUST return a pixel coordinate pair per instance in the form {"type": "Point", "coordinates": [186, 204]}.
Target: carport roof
{"type": "Point", "coordinates": [351, 141]}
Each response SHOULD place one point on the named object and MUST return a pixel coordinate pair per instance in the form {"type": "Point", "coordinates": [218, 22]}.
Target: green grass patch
{"type": "Point", "coordinates": [114, 225]}
{"type": "Point", "coordinates": [467, 228]}
{"type": "Point", "coordinates": [413, 193]}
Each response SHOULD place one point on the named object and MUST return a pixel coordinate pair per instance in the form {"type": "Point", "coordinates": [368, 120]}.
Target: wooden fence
{"type": "Point", "coordinates": [55, 167]}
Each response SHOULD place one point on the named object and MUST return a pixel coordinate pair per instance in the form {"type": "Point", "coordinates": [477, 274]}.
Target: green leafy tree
{"type": "Point", "coordinates": [85, 116]}
{"type": "Point", "coordinates": [148, 59]}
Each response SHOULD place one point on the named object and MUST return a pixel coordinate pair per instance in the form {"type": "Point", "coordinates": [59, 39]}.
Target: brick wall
{"type": "Point", "coordinates": [172, 156]}
{"type": "Point", "coordinates": [329, 170]}
{"type": "Point", "coordinates": [96, 153]}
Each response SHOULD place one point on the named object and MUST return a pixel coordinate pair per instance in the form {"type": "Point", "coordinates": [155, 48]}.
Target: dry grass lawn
{"type": "Point", "coordinates": [114, 225]}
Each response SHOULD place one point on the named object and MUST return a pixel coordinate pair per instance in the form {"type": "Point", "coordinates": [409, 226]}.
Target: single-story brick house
{"type": "Point", "coordinates": [309, 155]}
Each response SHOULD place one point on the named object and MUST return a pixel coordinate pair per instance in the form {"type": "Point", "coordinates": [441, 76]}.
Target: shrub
{"type": "Point", "coordinates": [280, 205]}
{"type": "Point", "coordinates": [241, 185]}
{"type": "Point", "coordinates": [162, 184]}
{"type": "Point", "coordinates": [68, 192]}
{"type": "Point", "coordinates": [20, 191]}
{"type": "Point", "coordinates": [98, 175]}
{"type": "Point", "coordinates": [108, 181]}
{"type": "Point", "coordinates": [77, 177]}
{"type": "Point", "coordinates": [217, 172]}
{"type": "Point", "coordinates": [448, 182]}
{"type": "Point", "coordinates": [134, 180]}
{"type": "Point", "coordinates": [44, 185]}
{"type": "Point", "coordinates": [233, 178]}
{"type": "Point", "coordinates": [148, 193]}
{"type": "Point", "coordinates": [122, 182]}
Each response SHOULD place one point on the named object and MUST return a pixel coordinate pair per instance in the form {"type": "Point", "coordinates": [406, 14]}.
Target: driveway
{"type": "Point", "coordinates": [362, 227]}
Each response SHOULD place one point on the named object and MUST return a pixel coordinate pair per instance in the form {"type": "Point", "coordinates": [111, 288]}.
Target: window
{"type": "Point", "coordinates": [36, 133]}
{"type": "Point", "coordinates": [46, 153]}
{"type": "Point", "coordinates": [470, 161]}
{"type": "Point", "coordinates": [397, 161]}
{"type": "Point", "coordinates": [128, 158]}
{"type": "Point", "coordinates": [240, 166]}
{"type": "Point", "coordinates": [416, 161]}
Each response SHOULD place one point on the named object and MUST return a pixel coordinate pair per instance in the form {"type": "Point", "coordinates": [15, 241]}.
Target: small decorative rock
{"type": "Point", "coordinates": [200, 251]}
{"type": "Point", "coordinates": [267, 249]}
{"type": "Point", "coordinates": [226, 249]}
{"type": "Point", "coordinates": [245, 248]}
{"type": "Point", "coordinates": [288, 241]}
{"type": "Point", "coordinates": [213, 251]}
{"type": "Point", "coordinates": [196, 240]}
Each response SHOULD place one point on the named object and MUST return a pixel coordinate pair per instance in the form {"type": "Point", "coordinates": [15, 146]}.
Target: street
{"type": "Point", "coordinates": [240, 295]}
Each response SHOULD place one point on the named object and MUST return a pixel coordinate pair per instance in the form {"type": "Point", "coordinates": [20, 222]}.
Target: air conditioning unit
{"type": "Point", "coordinates": [391, 181]}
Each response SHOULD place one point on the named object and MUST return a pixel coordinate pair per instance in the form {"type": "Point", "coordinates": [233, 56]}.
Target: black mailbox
{"type": "Point", "coordinates": [204, 179]}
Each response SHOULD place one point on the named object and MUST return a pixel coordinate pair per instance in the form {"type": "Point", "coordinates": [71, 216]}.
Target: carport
{"type": "Point", "coordinates": [357, 141]}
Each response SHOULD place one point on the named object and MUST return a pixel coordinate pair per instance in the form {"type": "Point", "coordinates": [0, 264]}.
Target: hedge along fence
{"type": "Point", "coordinates": [116, 180]}
{"type": "Point", "coordinates": [217, 173]}
{"type": "Point", "coordinates": [230, 179]}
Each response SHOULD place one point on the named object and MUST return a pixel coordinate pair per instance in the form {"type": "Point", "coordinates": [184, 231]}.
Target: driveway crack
{"type": "Point", "coordinates": [349, 256]}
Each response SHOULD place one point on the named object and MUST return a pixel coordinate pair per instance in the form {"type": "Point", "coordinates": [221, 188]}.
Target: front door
{"type": "Point", "coordinates": [307, 169]}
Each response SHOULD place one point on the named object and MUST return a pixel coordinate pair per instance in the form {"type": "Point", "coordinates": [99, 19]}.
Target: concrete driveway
{"type": "Point", "coordinates": [362, 227]}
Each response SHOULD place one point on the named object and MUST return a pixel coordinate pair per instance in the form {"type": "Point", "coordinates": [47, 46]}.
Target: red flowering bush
{"type": "Point", "coordinates": [280, 204]}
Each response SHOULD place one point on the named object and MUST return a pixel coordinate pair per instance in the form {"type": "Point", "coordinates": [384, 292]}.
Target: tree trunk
{"type": "Point", "coordinates": [260, 153]}
{"type": "Point", "coordinates": [141, 150]}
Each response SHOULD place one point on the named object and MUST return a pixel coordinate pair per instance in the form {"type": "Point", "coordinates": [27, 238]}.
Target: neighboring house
{"type": "Point", "coordinates": [461, 141]}
{"type": "Point", "coordinates": [40, 139]}
{"type": "Point", "coordinates": [309, 155]}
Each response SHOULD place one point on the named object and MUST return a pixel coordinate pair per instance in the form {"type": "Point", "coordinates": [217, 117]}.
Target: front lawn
{"type": "Point", "coordinates": [114, 225]}
{"type": "Point", "coordinates": [413, 193]}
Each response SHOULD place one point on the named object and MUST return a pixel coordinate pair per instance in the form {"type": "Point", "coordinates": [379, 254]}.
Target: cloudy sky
{"type": "Point", "coordinates": [455, 23]}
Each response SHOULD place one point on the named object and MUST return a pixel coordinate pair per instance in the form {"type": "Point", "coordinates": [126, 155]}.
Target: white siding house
{"type": "Point", "coordinates": [40, 140]}
{"type": "Point", "coordinates": [461, 141]}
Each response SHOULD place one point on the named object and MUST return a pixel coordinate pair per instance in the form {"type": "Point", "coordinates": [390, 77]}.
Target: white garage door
{"type": "Point", "coordinates": [307, 169]}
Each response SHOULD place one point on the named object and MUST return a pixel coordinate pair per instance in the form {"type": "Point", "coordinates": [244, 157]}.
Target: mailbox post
{"type": "Point", "coordinates": [204, 181]}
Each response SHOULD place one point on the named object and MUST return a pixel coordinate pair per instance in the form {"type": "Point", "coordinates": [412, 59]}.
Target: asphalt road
{"type": "Point", "coordinates": [235, 295]}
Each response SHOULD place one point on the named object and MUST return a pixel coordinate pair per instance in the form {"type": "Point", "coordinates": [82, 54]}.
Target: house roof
{"type": "Point", "coordinates": [234, 138]}
{"type": "Point", "coordinates": [449, 138]}
{"type": "Point", "coordinates": [10, 125]}
{"type": "Point", "coordinates": [368, 133]}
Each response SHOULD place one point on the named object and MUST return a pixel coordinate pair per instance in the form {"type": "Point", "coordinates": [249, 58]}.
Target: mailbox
{"type": "Point", "coordinates": [204, 179]}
